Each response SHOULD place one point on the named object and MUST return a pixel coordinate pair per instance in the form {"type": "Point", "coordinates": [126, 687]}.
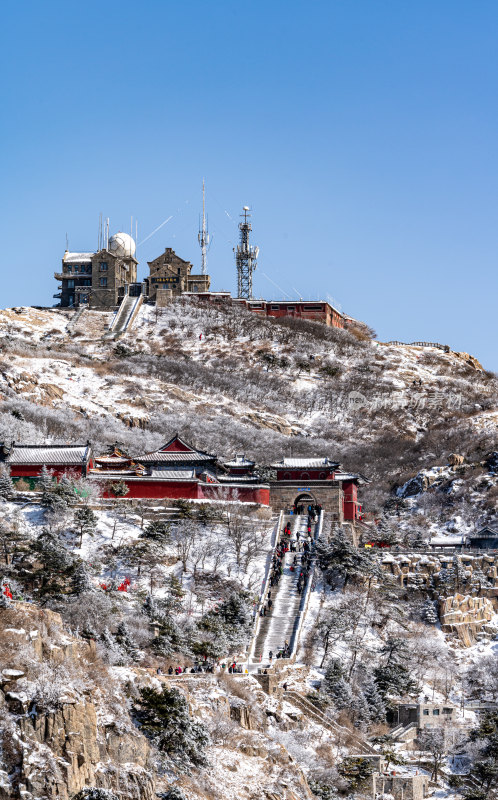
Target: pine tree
{"type": "Point", "coordinates": [6, 484]}
{"type": "Point", "coordinates": [176, 587]}
{"type": "Point", "coordinates": [429, 613]}
{"type": "Point", "coordinates": [85, 522]}
{"type": "Point", "coordinates": [118, 489]}
{"type": "Point", "coordinates": [393, 677]}
{"type": "Point", "coordinates": [157, 531]}
{"type": "Point", "coordinates": [57, 563]}
{"type": "Point", "coordinates": [124, 638]}
{"type": "Point", "coordinates": [333, 674]}
{"type": "Point", "coordinates": [477, 580]}
{"type": "Point", "coordinates": [416, 581]}
{"type": "Point", "coordinates": [80, 582]}
{"type": "Point", "coordinates": [340, 557]}
{"type": "Point", "coordinates": [45, 480]}
{"type": "Point", "coordinates": [360, 708]}
{"type": "Point", "coordinates": [376, 705]}
{"type": "Point", "coordinates": [342, 694]}
{"type": "Point", "coordinates": [164, 718]}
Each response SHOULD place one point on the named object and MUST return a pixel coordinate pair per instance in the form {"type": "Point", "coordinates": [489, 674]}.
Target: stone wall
{"type": "Point", "coordinates": [326, 493]}
{"type": "Point", "coordinates": [401, 787]}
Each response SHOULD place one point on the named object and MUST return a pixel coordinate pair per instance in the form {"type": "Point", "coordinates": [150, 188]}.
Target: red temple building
{"type": "Point", "coordinates": [178, 470]}
{"type": "Point", "coordinates": [26, 460]}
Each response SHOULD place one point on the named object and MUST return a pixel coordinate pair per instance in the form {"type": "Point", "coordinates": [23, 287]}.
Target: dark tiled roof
{"type": "Point", "coordinates": [51, 455]}
{"type": "Point", "coordinates": [174, 457]}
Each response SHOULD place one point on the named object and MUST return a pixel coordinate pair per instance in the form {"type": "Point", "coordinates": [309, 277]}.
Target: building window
{"type": "Point", "coordinates": [70, 284]}
{"type": "Point", "coordinates": [435, 712]}
{"type": "Point", "coordinates": [84, 298]}
{"type": "Point", "coordinates": [426, 712]}
{"type": "Point", "coordinates": [86, 282]}
{"type": "Point", "coordinates": [103, 281]}
{"type": "Point", "coordinates": [69, 270]}
{"type": "Point", "coordinates": [322, 476]}
{"type": "Point", "coordinates": [291, 308]}
{"type": "Point", "coordinates": [305, 476]}
{"type": "Point", "coordinates": [103, 266]}
{"type": "Point", "coordinates": [89, 269]}
{"type": "Point", "coordinates": [275, 308]}
{"type": "Point", "coordinates": [287, 476]}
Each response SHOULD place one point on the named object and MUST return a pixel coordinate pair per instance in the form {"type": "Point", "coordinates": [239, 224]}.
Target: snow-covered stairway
{"type": "Point", "coordinates": [124, 316]}
{"type": "Point", "coordinates": [277, 627]}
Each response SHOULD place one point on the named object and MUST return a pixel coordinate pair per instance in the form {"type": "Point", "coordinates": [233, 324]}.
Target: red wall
{"type": "Point", "coordinates": [34, 470]}
{"type": "Point", "coordinates": [194, 491]}
{"type": "Point", "coordinates": [351, 508]}
{"type": "Point", "coordinates": [244, 494]}
{"type": "Point", "coordinates": [159, 490]}
{"type": "Point", "coordinates": [311, 474]}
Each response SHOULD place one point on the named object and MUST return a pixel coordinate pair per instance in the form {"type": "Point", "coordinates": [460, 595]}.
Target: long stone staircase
{"type": "Point", "coordinates": [277, 626]}
{"type": "Point", "coordinates": [124, 317]}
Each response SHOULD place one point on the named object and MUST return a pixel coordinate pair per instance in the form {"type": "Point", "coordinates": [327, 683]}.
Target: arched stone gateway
{"type": "Point", "coordinates": [305, 499]}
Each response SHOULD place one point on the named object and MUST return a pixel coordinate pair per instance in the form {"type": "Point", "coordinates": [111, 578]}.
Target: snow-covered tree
{"type": "Point", "coordinates": [429, 613]}
{"type": "Point", "coordinates": [393, 675]}
{"type": "Point", "coordinates": [80, 581]}
{"type": "Point", "coordinates": [376, 705]}
{"type": "Point", "coordinates": [6, 484]}
{"type": "Point", "coordinates": [164, 718]}
{"type": "Point", "coordinates": [341, 558]}
{"type": "Point", "coordinates": [125, 639]}
{"type": "Point", "coordinates": [85, 522]}
{"type": "Point", "coordinates": [45, 479]}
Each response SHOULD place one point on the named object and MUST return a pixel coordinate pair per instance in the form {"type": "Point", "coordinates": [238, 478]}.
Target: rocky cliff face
{"type": "Point", "coordinates": [65, 725]}
{"type": "Point", "coordinates": [61, 732]}
{"type": "Point", "coordinates": [465, 616]}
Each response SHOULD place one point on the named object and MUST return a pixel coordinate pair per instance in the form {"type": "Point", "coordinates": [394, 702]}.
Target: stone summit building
{"type": "Point", "coordinates": [99, 280]}
{"type": "Point", "coordinates": [170, 276]}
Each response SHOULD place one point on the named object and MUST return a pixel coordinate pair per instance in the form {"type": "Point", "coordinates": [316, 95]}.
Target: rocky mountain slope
{"type": "Point", "coordinates": [231, 381]}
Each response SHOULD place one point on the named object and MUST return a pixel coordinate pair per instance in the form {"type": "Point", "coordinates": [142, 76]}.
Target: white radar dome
{"type": "Point", "coordinates": [122, 245]}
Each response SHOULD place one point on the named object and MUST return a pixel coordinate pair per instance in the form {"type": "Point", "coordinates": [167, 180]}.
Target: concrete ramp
{"type": "Point", "coordinates": [125, 316]}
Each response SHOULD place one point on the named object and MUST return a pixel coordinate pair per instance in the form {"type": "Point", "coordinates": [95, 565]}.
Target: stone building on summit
{"type": "Point", "coordinates": [170, 276]}
{"type": "Point", "coordinates": [98, 280]}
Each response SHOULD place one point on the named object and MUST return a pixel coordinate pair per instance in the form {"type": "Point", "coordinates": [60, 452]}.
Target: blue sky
{"type": "Point", "coordinates": [362, 133]}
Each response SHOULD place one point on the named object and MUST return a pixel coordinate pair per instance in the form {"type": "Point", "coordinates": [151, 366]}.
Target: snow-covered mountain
{"type": "Point", "coordinates": [233, 382]}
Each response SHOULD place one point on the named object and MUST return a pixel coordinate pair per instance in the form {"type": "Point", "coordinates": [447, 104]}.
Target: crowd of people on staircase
{"type": "Point", "coordinates": [302, 546]}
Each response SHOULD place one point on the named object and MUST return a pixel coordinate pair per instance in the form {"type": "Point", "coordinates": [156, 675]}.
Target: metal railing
{"type": "Point", "coordinates": [445, 347]}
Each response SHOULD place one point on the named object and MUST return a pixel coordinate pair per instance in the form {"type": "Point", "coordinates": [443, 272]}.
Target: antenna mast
{"type": "Point", "coordinates": [246, 257]}
{"type": "Point", "coordinates": [203, 235]}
